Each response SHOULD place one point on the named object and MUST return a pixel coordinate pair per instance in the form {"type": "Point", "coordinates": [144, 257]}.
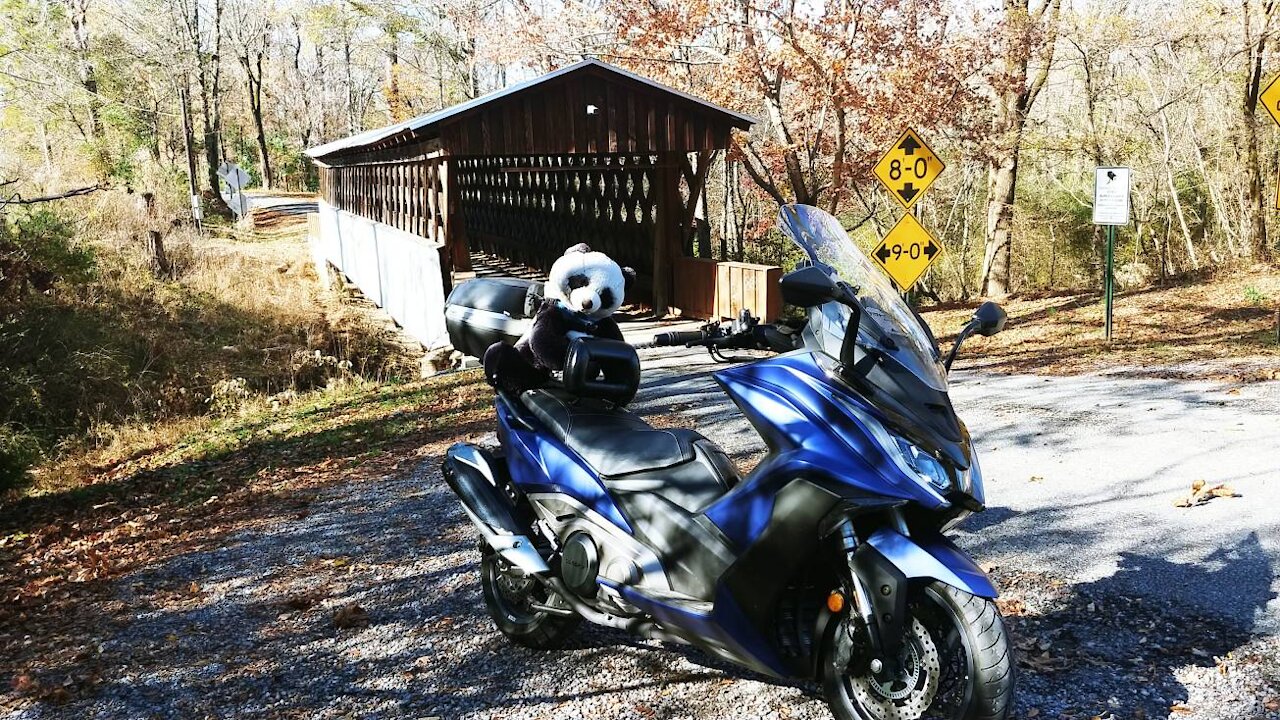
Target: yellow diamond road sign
{"type": "Point", "coordinates": [1270, 99]}
{"type": "Point", "coordinates": [907, 251]}
{"type": "Point", "coordinates": [908, 169]}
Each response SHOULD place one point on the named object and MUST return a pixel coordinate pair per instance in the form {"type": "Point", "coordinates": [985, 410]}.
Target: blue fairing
{"type": "Point", "coordinates": [540, 463]}
{"type": "Point", "coordinates": [813, 429]}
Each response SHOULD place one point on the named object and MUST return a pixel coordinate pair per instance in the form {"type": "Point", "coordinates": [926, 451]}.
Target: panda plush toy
{"type": "Point", "coordinates": [583, 289]}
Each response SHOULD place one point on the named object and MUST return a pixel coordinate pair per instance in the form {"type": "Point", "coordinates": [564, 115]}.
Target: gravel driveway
{"type": "Point", "coordinates": [367, 604]}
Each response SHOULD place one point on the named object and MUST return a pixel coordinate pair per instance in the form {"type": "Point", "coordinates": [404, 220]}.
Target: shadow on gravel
{"type": "Point", "coordinates": [1099, 648]}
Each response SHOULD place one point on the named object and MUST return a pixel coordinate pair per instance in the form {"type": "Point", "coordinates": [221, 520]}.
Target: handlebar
{"type": "Point", "coordinates": [747, 333]}
{"type": "Point", "coordinates": [679, 338]}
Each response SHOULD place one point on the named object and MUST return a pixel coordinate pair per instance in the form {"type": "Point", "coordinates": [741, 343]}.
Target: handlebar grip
{"type": "Point", "coordinates": [678, 338]}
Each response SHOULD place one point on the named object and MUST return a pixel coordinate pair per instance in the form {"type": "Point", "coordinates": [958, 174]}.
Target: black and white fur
{"type": "Point", "coordinates": [589, 283]}
{"type": "Point", "coordinates": [583, 289]}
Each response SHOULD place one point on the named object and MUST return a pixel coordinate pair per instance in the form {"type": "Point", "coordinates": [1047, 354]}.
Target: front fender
{"type": "Point", "coordinates": [932, 558]}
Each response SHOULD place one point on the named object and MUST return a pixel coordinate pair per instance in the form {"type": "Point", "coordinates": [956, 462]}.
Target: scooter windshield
{"type": "Point", "coordinates": [887, 323]}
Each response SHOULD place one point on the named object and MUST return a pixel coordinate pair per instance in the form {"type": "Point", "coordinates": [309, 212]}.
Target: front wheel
{"type": "Point", "coordinates": [955, 663]}
{"type": "Point", "coordinates": [513, 600]}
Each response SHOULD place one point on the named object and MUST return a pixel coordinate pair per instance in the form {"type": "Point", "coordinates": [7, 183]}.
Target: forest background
{"type": "Point", "coordinates": [110, 101]}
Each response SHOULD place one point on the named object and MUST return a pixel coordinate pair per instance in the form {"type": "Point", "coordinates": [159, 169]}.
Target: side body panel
{"type": "Point", "coordinates": [813, 430]}
{"type": "Point", "coordinates": [541, 464]}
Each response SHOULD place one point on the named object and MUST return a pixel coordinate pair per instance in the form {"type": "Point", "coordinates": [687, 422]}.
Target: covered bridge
{"type": "Point", "coordinates": [588, 153]}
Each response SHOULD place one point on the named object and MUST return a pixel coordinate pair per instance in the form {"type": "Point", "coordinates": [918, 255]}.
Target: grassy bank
{"type": "Point", "coordinates": [1221, 327]}
{"type": "Point", "coordinates": [118, 359]}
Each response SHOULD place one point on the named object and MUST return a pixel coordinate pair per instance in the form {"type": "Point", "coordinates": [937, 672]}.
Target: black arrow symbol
{"type": "Point", "coordinates": [930, 250]}
{"type": "Point", "coordinates": [908, 191]}
{"type": "Point", "coordinates": [909, 145]}
{"type": "Point", "coordinates": [883, 253]}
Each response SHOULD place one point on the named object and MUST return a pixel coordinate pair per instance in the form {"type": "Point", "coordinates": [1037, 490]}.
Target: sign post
{"type": "Point", "coordinates": [1110, 208]}
{"type": "Point", "coordinates": [906, 171]}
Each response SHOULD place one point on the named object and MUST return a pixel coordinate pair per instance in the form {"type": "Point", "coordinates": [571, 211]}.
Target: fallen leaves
{"type": "Point", "coordinates": [26, 684]}
{"type": "Point", "coordinates": [1271, 704]}
{"type": "Point", "coordinates": [350, 616]}
{"type": "Point", "coordinates": [1011, 607]}
{"type": "Point", "coordinates": [1034, 655]}
{"type": "Point", "coordinates": [301, 601]}
{"type": "Point", "coordinates": [1201, 493]}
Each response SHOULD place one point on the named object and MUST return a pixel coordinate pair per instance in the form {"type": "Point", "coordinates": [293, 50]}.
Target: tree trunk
{"type": "Point", "coordinates": [351, 83]}
{"type": "Point", "coordinates": [1002, 180]}
{"type": "Point", "coordinates": [1255, 50]}
{"type": "Point", "coordinates": [84, 65]}
{"type": "Point", "coordinates": [209, 103]}
{"type": "Point", "coordinates": [397, 109]}
{"type": "Point", "coordinates": [255, 108]}
{"type": "Point", "coordinates": [188, 137]}
{"type": "Point", "coordinates": [1012, 108]}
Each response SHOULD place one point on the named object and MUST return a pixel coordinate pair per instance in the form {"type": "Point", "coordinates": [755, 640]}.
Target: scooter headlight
{"type": "Point", "coordinates": [925, 465]}
{"type": "Point", "coordinates": [909, 458]}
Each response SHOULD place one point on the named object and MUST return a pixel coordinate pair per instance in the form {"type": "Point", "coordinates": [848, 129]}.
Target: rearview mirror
{"type": "Point", "coordinates": [809, 286]}
{"type": "Point", "coordinates": [989, 319]}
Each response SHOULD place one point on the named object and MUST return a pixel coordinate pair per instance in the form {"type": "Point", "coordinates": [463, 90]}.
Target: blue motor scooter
{"type": "Point", "coordinates": [826, 562]}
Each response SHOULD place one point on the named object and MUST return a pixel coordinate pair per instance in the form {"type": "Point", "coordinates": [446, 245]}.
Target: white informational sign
{"type": "Point", "coordinates": [1111, 196]}
{"type": "Point", "coordinates": [197, 209]}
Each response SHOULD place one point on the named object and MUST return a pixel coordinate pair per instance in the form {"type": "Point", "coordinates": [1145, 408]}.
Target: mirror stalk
{"type": "Point", "coordinates": [964, 335]}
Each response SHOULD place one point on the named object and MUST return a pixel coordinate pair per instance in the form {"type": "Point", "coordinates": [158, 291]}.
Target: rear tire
{"type": "Point", "coordinates": [974, 664]}
{"type": "Point", "coordinates": [509, 599]}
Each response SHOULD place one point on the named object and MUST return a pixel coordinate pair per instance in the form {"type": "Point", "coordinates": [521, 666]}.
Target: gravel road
{"type": "Point", "coordinates": [367, 604]}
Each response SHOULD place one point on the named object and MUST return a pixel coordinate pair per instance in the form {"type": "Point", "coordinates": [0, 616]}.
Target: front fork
{"type": "Point", "coordinates": [878, 591]}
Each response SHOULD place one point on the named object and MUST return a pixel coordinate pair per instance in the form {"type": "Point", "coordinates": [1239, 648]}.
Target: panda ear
{"type": "Point", "coordinates": [628, 278]}
{"type": "Point", "coordinates": [579, 248]}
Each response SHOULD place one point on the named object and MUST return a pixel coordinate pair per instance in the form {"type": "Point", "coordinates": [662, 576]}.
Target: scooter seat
{"type": "Point", "coordinates": [630, 455]}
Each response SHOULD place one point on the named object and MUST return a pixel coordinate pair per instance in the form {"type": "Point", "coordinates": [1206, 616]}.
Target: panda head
{"type": "Point", "coordinates": [589, 283]}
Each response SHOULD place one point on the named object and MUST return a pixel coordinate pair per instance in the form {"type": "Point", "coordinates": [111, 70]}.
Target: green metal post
{"type": "Point", "coordinates": [1109, 284]}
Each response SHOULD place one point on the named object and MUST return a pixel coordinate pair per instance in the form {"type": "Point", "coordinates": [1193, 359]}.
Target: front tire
{"type": "Point", "coordinates": [955, 636]}
{"type": "Point", "coordinates": [510, 599]}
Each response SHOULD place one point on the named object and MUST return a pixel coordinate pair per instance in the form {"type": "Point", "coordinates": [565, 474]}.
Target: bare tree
{"type": "Point", "coordinates": [84, 63]}
{"type": "Point", "coordinates": [1026, 31]}
{"type": "Point", "coordinates": [252, 35]}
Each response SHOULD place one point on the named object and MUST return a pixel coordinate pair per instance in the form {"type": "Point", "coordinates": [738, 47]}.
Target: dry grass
{"type": "Point", "coordinates": [1222, 327]}
{"type": "Point", "coordinates": [121, 364]}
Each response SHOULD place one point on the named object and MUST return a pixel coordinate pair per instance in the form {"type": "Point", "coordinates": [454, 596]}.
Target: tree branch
{"type": "Point", "coordinates": [19, 200]}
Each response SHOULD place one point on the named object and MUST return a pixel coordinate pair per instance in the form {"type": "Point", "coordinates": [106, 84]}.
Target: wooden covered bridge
{"type": "Point", "coordinates": [589, 153]}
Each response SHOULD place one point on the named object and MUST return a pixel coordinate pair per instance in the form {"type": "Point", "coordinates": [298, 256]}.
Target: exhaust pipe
{"type": "Point", "coordinates": [471, 473]}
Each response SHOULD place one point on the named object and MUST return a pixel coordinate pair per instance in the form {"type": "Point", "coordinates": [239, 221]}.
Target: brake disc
{"type": "Point", "coordinates": [909, 693]}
